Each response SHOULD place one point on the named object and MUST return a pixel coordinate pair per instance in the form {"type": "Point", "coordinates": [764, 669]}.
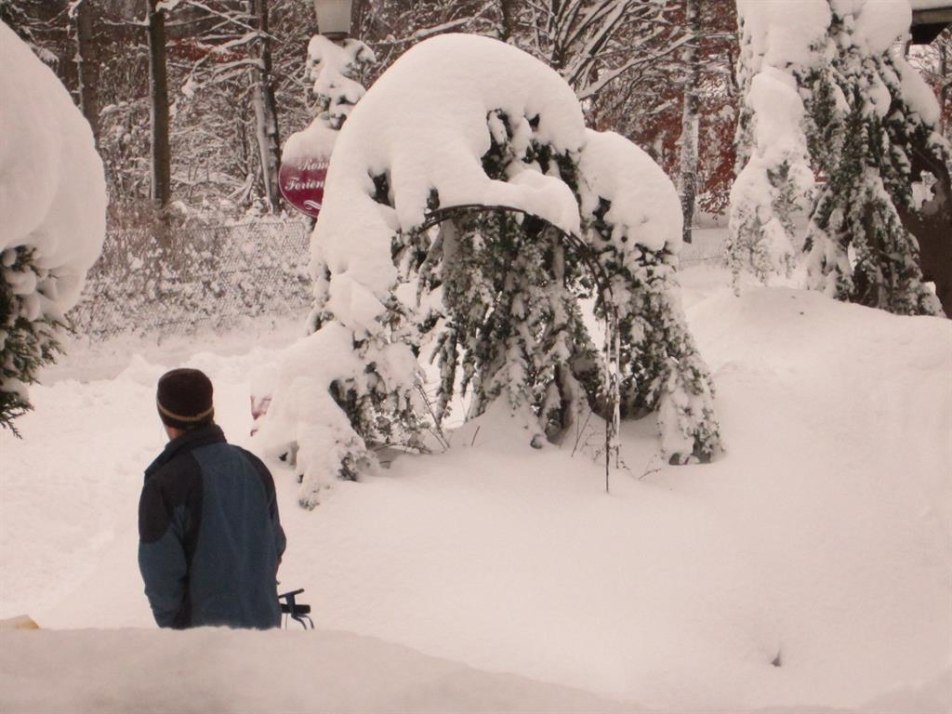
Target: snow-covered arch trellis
{"type": "Point", "coordinates": [463, 121]}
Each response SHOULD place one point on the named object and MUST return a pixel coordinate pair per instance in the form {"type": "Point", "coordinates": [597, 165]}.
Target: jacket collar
{"type": "Point", "coordinates": [191, 439]}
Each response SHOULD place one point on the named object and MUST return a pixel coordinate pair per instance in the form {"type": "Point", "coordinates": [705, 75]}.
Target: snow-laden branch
{"type": "Point", "coordinates": [608, 16]}
{"type": "Point", "coordinates": [239, 18]}
{"type": "Point", "coordinates": [443, 28]}
{"type": "Point", "coordinates": [610, 76]}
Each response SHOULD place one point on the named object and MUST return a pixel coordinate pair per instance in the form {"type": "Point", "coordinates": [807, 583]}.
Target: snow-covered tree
{"type": "Point", "coordinates": [869, 111]}
{"type": "Point", "coordinates": [690, 118]}
{"type": "Point", "coordinates": [228, 48]}
{"type": "Point", "coordinates": [534, 212]}
{"type": "Point", "coordinates": [53, 202]}
{"type": "Point", "coordinates": [775, 177]}
{"type": "Point", "coordinates": [629, 62]}
{"type": "Point", "coordinates": [337, 71]}
{"type": "Point", "coordinates": [87, 59]}
{"type": "Point", "coordinates": [648, 104]}
{"type": "Point", "coordinates": [827, 88]}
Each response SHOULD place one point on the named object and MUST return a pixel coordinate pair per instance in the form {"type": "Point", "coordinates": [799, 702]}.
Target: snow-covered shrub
{"type": "Point", "coordinates": [336, 69]}
{"type": "Point", "coordinates": [52, 216]}
{"type": "Point", "coordinates": [467, 211]}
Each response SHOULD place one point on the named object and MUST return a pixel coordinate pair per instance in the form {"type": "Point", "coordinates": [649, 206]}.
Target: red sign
{"type": "Point", "coordinates": [302, 184]}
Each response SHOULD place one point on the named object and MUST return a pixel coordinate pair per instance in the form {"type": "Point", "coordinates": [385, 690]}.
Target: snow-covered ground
{"type": "Point", "coordinates": [496, 577]}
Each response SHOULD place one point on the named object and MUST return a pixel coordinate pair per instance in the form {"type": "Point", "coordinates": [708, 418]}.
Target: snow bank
{"type": "Point", "coordinates": [52, 186]}
{"type": "Point", "coordinates": [220, 670]}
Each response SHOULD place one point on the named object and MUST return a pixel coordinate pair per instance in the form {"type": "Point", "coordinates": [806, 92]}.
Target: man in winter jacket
{"type": "Point", "coordinates": [210, 540]}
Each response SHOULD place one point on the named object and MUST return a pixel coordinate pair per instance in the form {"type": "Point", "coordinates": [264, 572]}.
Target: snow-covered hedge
{"type": "Point", "coordinates": [52, 216]}
{"type": "Point", "coordinates": [458, 124]}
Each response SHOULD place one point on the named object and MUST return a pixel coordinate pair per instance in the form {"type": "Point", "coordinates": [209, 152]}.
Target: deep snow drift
{"type": "Point", "coordinates": [824, 534]}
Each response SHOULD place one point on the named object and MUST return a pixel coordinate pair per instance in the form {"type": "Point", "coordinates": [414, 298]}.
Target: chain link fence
{"type": "Point", "coordinates": [187, 279]}
{"type": "Point", "coordinates": [217, 277]}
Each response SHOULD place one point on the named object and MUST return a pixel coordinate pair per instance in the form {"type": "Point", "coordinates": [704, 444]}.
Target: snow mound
{"type": "Point", "coordinates": [216, 670]}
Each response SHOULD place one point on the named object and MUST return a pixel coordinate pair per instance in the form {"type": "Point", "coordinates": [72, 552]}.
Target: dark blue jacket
{"type": "Point", "coordinates": [210, 539]}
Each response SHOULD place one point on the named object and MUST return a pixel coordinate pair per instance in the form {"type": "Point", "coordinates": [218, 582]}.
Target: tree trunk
{"type": "Point", "coordinates": [506, 20]}
{"type": "Point", "coordinates": [159, 96]}
{"type": "Point", "coordinates": [266, 113]}
{"type": "Point", "coordinates": [690, 119]}
{"type": "Point", "coordinates": [932, 226]}
{"type": "Point", "coordinates": [944, 90]}
{"type": "Point", "coordinates": [87, 65]}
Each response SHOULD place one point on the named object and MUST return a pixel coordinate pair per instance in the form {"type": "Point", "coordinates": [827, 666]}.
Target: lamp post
{"type": "Point", "coordinates": [333, 18]}
{"type": "Point", "coordinates": [335, 61]}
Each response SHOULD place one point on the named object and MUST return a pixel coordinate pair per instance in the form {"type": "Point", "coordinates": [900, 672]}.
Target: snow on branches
{"type": "Point", "coordinates": [467, 215]}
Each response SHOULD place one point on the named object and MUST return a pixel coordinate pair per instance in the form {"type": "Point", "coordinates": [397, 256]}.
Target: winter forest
{"type": "Point", "coordinates": [236, 84]}
{"type": "Point", "coordinates": [609, 371]}
{"type": "Point", "coordinates": [629, 64]}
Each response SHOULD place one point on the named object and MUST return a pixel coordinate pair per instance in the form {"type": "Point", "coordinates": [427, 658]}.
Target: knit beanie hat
{"type": "Point", "coordinates": [184, 399]}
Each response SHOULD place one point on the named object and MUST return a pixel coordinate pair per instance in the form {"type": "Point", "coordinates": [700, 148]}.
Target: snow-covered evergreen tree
{"type": "Point", "coordinates": [29, 338]}
{"type": "Point", "coordinates": [509, 287]}
{"type": "Point", "coordinates": [660, 369]}
{"type": "Point", "coordinates": [826, 82]}
{"type": "Point", "coordinates": [53, 201]}
{"type": "Point", "coordinates": [868, 112]}
{"type": "Point", "coordinates": [336, 71]}
{"type": "Point", "coordinates": [534, 213]}
{"type": "Point", "coordinates": [774, 177]}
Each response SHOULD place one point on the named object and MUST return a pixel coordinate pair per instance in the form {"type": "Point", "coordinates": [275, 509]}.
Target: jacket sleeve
{"type": "Point", "coordinates": [280, 540]}
{"type": "Point", "coordinates": [162, 559]}
{"type": "Point", "coordinates": [267, 480]}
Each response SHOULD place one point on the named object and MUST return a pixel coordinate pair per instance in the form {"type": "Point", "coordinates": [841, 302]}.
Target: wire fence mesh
{"type": "Point", "coordinates": [217, 277]}
{"type": "Point", "coordinates": [194, 278]}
